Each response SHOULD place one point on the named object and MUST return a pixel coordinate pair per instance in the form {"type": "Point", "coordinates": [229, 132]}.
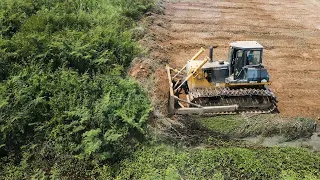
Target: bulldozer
{"type": "Point", "coordinates": [237, 85]}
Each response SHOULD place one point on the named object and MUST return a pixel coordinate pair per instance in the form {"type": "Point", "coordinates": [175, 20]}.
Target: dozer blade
{"type": "Point", "coordinates": [208, 109]}
{"type": "Point", "coordinates": [193, 108]}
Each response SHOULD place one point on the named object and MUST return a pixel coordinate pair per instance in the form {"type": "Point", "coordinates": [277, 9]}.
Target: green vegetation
{"type": "Point", "coordinates": [240, 126]}
{"type": "Point", "coordinates": [166, 162]}
{"type": "Point", "coordinates": [210, 148]}
{"type": "Point", "coordinates": [66, 106]}
{"type": "Point", "coordinates": [227, 124]}
{"type": "Point", "coordinates": [69, 111]}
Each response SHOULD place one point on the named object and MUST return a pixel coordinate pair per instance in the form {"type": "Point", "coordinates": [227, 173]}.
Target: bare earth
{"type": "Point", "coordinates": [289, 31]}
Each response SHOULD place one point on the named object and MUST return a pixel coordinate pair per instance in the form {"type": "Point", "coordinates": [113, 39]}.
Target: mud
{"type": "Point", "coordinates": [289, 31]}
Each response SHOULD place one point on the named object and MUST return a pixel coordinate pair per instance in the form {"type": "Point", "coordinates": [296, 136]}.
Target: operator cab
{"type": "Point", "coordinates": [245, 59]}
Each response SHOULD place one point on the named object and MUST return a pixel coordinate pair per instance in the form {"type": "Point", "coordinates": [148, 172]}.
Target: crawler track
{"type": "Point", "coordinates": [249, 100]}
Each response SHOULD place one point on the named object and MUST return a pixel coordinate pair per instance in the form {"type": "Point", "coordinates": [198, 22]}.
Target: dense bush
{"type": "Point", "coordinates": [71, 110]}
{"type": "Point", "coordinates": [66, 105]}
{"type": "Point", "coordinates": [88, 36]}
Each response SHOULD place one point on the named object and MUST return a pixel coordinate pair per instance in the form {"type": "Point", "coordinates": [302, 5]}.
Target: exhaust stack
{"type": "Point", "coordinates": [211, 54]}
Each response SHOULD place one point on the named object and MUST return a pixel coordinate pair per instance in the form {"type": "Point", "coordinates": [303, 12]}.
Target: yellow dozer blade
{"type": "Point", "coordinates": [184, 104]}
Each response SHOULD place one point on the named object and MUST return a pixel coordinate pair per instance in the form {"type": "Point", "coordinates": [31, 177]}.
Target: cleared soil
{"type": "Point", "coordinates": [289, 30]}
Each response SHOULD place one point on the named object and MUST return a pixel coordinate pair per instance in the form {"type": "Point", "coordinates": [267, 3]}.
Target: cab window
{"type": "Point", "coordinates": [253, 57]}
{"type": "Point", "coordinates": [239, 63]}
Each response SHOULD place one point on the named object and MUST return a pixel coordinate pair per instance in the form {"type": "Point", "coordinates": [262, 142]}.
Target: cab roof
{"type": "Point", "coordinates": [246, 45]}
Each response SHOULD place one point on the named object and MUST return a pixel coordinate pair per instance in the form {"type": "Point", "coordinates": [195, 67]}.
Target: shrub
{"type": "Point", "coordinates": [66, 105]}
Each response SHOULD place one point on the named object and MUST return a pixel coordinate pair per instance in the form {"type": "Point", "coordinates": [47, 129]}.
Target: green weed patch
{"type": "Point", "coordinates": [240, 126]}
{"type": "Point", "coordinates": [167, 162]}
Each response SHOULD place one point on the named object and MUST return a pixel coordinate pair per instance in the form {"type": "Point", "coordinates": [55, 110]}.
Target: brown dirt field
{"type": "Point", "coordinates": [289, 30]}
